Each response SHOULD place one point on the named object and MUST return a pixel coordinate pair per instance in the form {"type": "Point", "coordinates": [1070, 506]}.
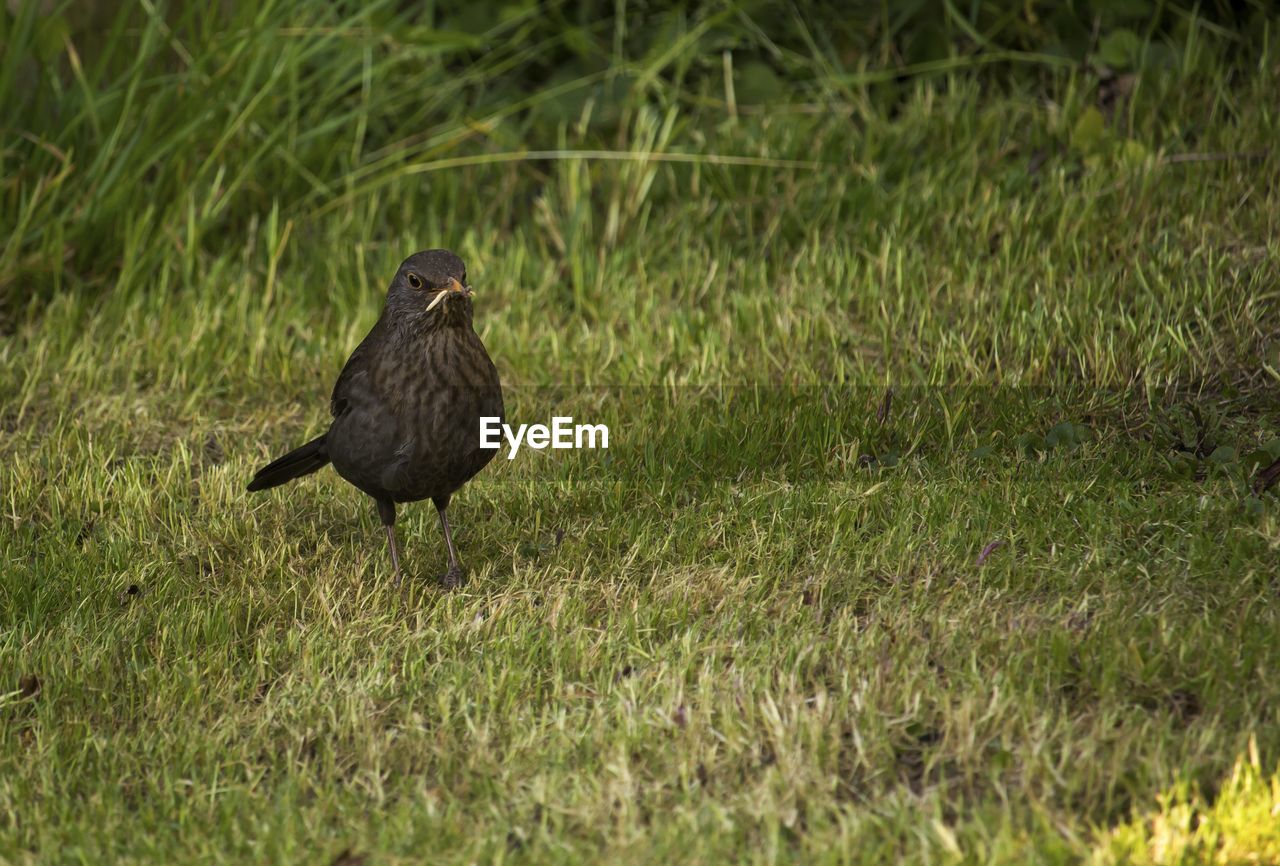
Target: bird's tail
{"type": "Point", "coordinates": [298, 462]}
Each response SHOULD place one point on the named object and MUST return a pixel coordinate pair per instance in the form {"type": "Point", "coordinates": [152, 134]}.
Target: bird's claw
{"type": "Point", "coordinates": [452, 579]}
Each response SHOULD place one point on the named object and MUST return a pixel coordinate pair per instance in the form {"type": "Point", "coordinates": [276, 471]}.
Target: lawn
{"type": "Point", "coordinates": [927, 531]}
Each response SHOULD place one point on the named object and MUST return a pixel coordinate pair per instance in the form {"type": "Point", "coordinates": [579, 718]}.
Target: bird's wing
{"type": "Point", "coordinates": [356, 370]}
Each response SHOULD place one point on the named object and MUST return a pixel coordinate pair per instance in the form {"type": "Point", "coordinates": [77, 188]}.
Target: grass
{"type": "Point", "coordinates": [764, 626]}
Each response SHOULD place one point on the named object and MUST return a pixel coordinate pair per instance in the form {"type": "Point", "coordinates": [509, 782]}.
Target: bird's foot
{"type": "Point", "coordinates": [452, 579]}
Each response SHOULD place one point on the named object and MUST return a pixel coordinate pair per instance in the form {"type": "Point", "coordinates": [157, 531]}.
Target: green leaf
{"type": "Point", "coordinates": [1222, 455]}
{"type": "Point", "coordinates": [982, 451]}
{"type": "Point", "coordinates": [1254, 459]}
{"type": "Point", "coordinates": [1066, 434]}
{"type": "Point", "coordinates": [1088, 131]}
{"type": "Point", "coordinates": [755, 83]}
{"type": "Point", "coordinates": [1031, 444]}
{"type": "Point", "coordinates": [1058, 436]}
{"type": "Point", "coordinates": [1120, 49]}
{"type": "Point", "coordinates": [1134, 154]}
{"type": "Point", "coordinates": [1253, 506]}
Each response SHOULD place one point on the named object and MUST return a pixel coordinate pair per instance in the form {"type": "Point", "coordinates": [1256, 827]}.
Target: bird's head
{"type": "Point", "coordinates": [431, 288]}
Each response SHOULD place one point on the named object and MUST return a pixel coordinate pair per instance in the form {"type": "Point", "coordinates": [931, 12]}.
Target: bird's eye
{"type": "Point", "coordinates": [415, 281]}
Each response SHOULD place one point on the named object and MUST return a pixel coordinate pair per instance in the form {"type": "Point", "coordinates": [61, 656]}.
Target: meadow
{"type": "Point", "coordinates": [930, 528]}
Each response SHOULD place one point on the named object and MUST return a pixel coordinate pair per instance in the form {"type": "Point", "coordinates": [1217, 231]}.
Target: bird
{"type": "Point", "coordinates": [407, 407]}
{"type": "Point", "coordinates": [1266, 477]}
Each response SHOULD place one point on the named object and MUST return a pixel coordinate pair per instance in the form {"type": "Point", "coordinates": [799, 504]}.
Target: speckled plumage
{"type": "Point", "coordinates": [407, 405]}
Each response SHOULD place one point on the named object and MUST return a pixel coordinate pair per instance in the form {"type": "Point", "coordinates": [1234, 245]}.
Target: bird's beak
{"type": "Point", "coordinates": [454, 287]}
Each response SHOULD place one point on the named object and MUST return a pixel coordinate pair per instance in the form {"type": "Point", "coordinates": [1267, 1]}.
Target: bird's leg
{"type": "Point", "coordinates": [453, 577]}
{"type": "Point", "coordinates": [395, 554]}
{"type": "Point", "coordinates": [387, 511]}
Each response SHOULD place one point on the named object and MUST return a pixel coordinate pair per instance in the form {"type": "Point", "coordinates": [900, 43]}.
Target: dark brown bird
{"type": "Point", "coordinates": [1266, 477]}
{"type": "Point", "coordinates": [407, 406]}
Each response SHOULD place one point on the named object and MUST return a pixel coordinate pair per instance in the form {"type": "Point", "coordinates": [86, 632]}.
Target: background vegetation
{"type": "Point", "coordinates": [939, 343]}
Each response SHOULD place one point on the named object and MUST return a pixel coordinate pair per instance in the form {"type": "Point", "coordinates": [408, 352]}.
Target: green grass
{"type": "Point", "coordinates": [756, 629]}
